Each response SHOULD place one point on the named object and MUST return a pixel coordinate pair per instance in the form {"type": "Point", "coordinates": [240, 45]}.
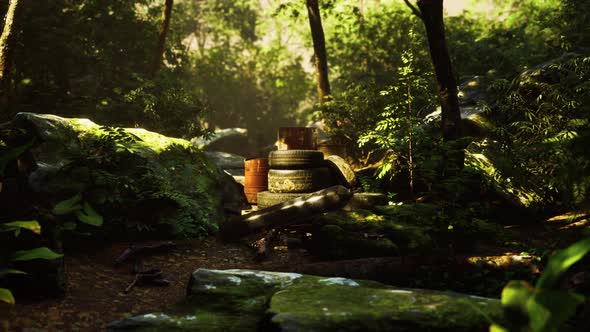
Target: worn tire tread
{"type": "Point", "coordinates": [295, 159]}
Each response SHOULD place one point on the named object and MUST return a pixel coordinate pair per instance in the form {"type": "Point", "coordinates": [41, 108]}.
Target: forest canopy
{"type": "Point", "coordinates": [249, 63]}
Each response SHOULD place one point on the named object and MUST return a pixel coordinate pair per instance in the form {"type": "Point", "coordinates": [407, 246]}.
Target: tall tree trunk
{"type": "Point", "coordinates": [319, 48]}
{"type": "Point", "coordinates": [7, 48]}
{"type": "Point", "coordinates": [431, 13]}
{"type": "Point", "coordinates": [164, 27]}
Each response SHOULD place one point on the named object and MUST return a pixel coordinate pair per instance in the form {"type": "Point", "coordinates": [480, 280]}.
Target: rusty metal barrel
{"type": "Point", "coordinates": [297, 138]}
{"type": "Point", "coordinates": [255, 177]}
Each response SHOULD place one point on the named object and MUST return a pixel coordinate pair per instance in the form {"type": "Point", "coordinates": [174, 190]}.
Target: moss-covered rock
{"type": "Point", "coordinates": [137, 179]}
{"type": "Point", "coordinates": [339, 304]}
{"type": "Point", "coordinates": [363, 233]}
{"type": "Point", "coordinates": [227, 300]}
{"type": "Point", "coordinates": [391, 230]}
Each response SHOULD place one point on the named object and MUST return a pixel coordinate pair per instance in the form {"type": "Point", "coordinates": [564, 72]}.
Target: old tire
{"type": "Point", "coordinates": [267, 199]}
{"type": "Point", "coordinates": [342, 169]}
{"type": "Point", "coordinates": [299, 180]}
{"type": "Point", "coordinates": [295, 159]}
{"type": "Point", "coordinates": [365, 201]}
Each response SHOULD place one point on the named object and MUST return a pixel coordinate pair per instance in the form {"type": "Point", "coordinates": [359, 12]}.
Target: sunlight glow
{"type": "Point", "coordinates": [455, 7]}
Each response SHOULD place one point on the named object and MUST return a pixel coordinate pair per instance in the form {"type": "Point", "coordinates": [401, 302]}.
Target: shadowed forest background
{"type": "Point", "coordinates": [481, 154]}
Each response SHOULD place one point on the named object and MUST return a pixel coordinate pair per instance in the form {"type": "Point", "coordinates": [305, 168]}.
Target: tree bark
{"type": "Point", "coordinates": [164, 27]}
{"type": "Point", "coordinates": [319, 48]}
{"type": "Point", "coordinates": [7, 47]}
{"type": "Point", "coordinates": [431, 13]}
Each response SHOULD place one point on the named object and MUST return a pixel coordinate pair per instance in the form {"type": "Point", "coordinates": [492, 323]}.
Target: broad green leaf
{"type": "Point", "coordinates": [549, 309]}
{"type": "Point", "coordinates": [89, 216]}
{"type": "Point", "coordinates": [561, 261]}
{"type": "Point", "coordinates": [6, 296]}
{"type": "Point", "coordinates": [12, 154]}
{"type": "Point", "coordinates": [497, 328]}
{"type": "Point", "coordinates": [68, 206]}
{"type": "Point", "coordinates": [31, 225]}
{"type": "Point", "coordinates": [37, 253]}
{"type": "Point", "coordinates": [4, 272]}
{"type": "Point", "coordinates": [516, 294]}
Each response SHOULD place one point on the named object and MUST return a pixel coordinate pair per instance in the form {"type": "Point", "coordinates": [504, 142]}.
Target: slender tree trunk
{"type": "Point", "coordinates": [411, 143]}
{"type": "Point", "coordinates": [164, 27]}
{"type": "Point", "coordinates": [7, 48]}
{"type": "Point", "coordinates": [431, 13]}
{"type": "Point", "coordinates": [319, 47]}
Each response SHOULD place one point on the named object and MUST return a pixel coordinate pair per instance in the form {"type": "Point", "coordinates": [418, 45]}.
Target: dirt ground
{"type": "Point", "coordinates": [95, 294]}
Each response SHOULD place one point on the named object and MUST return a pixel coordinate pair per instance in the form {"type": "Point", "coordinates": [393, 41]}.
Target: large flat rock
{"type": "Point", "coordinates": [247, 300]}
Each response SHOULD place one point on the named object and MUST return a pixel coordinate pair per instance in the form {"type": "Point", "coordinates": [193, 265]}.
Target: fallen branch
{"type": "Point", "coordinates": [286, 213]}
{"type": "Point", "coordinates": [134, 251]}
{"type": "Point", "coordinates": [152, 277]}
{"type": "Point", "coordinates": [264, 244]}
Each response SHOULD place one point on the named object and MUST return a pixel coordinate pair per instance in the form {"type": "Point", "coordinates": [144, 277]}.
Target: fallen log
{"type": "Point", "coordinates": [286, 213]}
{"type": "Point", "coordinates": [134, 251]}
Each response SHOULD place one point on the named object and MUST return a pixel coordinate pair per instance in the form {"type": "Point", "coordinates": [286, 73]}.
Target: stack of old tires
{"type": "Point", "coordinates": [294, 173]}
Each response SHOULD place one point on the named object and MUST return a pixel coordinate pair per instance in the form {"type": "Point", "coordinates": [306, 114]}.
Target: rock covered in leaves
{"type": "Point", "coordinates": [246, 300]}
{"type": "Point", "coordinates": [500, 173]}
{"type": "Point", "coordinates": [137, 179]}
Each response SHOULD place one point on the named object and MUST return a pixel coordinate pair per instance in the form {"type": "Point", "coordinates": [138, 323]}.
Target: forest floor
{"type": "Point", "coordinates": [95, 294]}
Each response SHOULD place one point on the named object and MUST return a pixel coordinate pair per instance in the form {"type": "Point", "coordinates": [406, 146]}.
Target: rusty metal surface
{"type": "Point", "coordinates": [255, 177]}
{"type": "Point", "coordinates": [297, 138]}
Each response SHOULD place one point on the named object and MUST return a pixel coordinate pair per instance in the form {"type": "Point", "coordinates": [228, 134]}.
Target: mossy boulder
{"type": "Point", "coordinates": [417, 228]}
{"type": "Point", "coordinates": [245, 300]}
{"type": "Point", "coordinates": [137, 179]}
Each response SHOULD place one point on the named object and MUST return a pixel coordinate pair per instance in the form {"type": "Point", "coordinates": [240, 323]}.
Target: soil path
{"type": "Point", "coordinates": [95, 294]}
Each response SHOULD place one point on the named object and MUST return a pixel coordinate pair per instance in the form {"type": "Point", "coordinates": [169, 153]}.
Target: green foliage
{"type": "Point", "coordinates": [68, 206]}
{"type": "Point", "coordinates": [16, 226]}
{"type": "Point", "coordinates": [22, 255]}
{"type": "Point", "coordinates": [561, 261]}
{"type": "Point", "coordinates": [543, 308]}
{"type": "Point", "coordinates": [506, 40]}
{"type": "Point", "coordinates": [543, 120]}
{"type": "Point", "coordinates": [141, 183]}
{"type": "Point", "coordinates": [82, 210]}
{"type": "Point", "coordinates": [5, 272]}
{"type": "Point", "coordinates": [574, 22]}
{"type": "Point", "coordinates": [365, 47]}
{"type": "Point", "coordinates": [37, 253]}
{"type": "Point", "coordinates": [399, 130]}
{"type": "Point", "coordinates": [248, 75]}
{"type": "Point", "coordinates": [365, 54]}
{"type": "Point", "coordinates": [226, 64]}
{"type": "Point", "coordinates": [89, 216]}
{"type": "Point", "coordinates": [6, 296]}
